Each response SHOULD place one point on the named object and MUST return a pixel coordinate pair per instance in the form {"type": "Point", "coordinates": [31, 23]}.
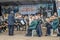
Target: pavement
{"type": "Point", "coordinates": [20, 35]}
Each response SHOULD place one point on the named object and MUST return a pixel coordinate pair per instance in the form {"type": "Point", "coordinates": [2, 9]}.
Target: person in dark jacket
{"type": "Point", "coordinates": [48, 26]}
{"type": "Point", "coordinates": [11, 23]}
{"type": "Point", "coordinates": [19, 24]}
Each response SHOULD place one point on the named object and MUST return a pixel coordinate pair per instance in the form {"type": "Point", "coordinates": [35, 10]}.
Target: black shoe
{"type": "Point", "coordinates": [58, 34]}
{"type": "Point", "coordinates": [39, 36]}
{"type": "Point", "coordinates": [28, 35]}
{"type": "Point", "coordinates": [10, 34]}
{"type": "Point", "coordinates": [0, 31]}
{"type": "Point", "coordinates": [47, 35]}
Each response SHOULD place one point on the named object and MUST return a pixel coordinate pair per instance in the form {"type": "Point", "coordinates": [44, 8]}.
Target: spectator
{"type": "Point", "coordinates": [38, 28]}
{"type": "Point", "coordinates": [48, 26]}
{"type": "Point", "coordinates": [55, 23]}
{"type": "Point", "coordinates": [32, 26]}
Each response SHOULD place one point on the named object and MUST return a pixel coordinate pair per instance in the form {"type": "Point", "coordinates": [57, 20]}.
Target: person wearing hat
{"type": "Point", "coordinates": [11, 23]}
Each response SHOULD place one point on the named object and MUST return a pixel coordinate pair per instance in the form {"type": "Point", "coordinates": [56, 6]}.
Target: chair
{"type": "Point", "coordinates": [34, 32]}
{"type": "Point", "coordinates": [52, 32]}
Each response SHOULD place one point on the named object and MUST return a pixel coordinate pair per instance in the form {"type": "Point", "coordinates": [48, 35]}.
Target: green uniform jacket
{"type": "Point", "coordinates": [55, 23]}
{"type": "Point", "coordinates": [33, 24]}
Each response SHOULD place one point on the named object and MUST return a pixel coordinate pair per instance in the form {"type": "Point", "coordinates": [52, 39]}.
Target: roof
{"type": "Point", "coordinates": [23, 2]}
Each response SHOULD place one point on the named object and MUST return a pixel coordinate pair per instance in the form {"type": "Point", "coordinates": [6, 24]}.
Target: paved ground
{"type": "Point", "coordinates": [21, 36]}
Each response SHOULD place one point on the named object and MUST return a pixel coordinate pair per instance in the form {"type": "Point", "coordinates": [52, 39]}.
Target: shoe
{"type": "Point", "coordinates": [10, 34]}
{"type": "Point", "coordinates": [39, 36]}
{"type": "Point", "coordinates": [28, 35]}
{"type": "Point", "coordinates": [47, 35]}
{"type": "Point", "coordinates": [58, 34]}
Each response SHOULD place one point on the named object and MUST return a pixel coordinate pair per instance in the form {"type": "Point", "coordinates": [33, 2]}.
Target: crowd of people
{"type": "Point", "coordinates": [3, 25]}
{"type": "Point", "coordinates": [51, 23]}
{"type": "Point", "coordinates": [34, 22]}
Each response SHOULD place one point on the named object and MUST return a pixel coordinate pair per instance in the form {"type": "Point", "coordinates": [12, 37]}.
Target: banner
{"type": "Point", "coordinates": [29, 9]}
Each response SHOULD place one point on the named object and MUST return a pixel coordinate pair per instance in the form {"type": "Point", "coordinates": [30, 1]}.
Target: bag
{"type": "Point", "coordinates": [22, 22]}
